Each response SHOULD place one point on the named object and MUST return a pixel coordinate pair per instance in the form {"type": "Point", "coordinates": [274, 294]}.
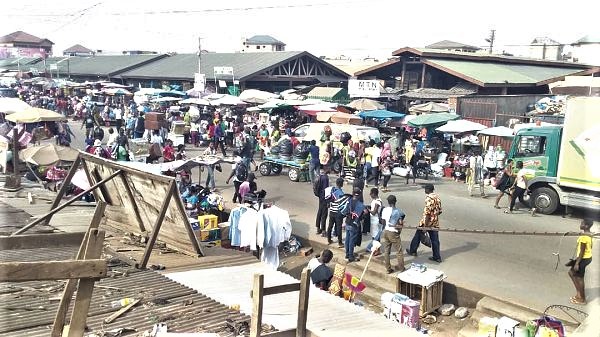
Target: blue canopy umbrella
{"type": "Point", "coordinates": [380, 114]}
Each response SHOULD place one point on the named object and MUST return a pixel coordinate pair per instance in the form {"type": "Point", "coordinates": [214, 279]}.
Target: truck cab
{"type": "Point", "coordinates": [561, 161]}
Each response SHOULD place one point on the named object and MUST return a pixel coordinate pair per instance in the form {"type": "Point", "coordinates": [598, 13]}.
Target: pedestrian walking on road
{"type": "Point", "coordinates": [319, 187]}
{"type": "Point", "coordinates": [519, 188]}
{"type": "Point", "coordinates": [393, 219]}
{"type": "Point", "coordinates": [314, 164]}
{"type": "Point", "coordinates": [505, 182]}
{"type": "Point", "coordinates": [353, 218]}
{"type": "Point", "coordinates": [430, 220]}
{"type": "Point", "coordinates": [583, 257]}
{"type": "Point", "coordinates": [374, 219]}
{"type": "Point", "coordinates": [337, 202]}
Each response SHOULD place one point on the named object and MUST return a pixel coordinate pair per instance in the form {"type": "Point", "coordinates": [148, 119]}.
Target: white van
{"type": "Point", "coordinates": [313, 131]}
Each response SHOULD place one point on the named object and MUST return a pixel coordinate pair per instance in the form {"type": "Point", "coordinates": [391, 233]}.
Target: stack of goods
{"type": "Point", "coordinates": [401, 308]}
{"type": "Point", "coordinates": [207, 230]}
{"type": "Point", "coordinates": [301, 153]}
{"type": "Point", "coordinates": [285, 149]}
{"type": "Point", "coordinates": [154, 120]}
{"type": "Point", "coordinates": [274, 152]}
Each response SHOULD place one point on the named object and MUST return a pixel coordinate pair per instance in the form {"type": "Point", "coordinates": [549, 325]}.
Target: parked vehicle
{"type": "Point", "coordinates": [563, 161]}
{"type": "Point", "coordinates": [312, 131]}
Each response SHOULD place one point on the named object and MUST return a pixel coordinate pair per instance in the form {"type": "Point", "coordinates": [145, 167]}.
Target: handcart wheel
{"type": "Point", "coordinates": [264, 169]}
{"type": "Point", "coordinates": [293, 174]}
{"type": "Point", "coordinates": [276, 169]}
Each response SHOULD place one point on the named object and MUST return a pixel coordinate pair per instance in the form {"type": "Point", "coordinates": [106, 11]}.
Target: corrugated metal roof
{"type": "Point", "coordinates": [184, 66]}
{"type": "Point", "coordinates": [263, 39]}
{"type": "Point", "coordinates": [447, 44]}
{"type": "Point", "coordinates": [328, 315]}
{"type": "Point", "coordinates": [99, 65]}
{"type": "Point", "coordinates": [26, 308]}
{"type": "Point", "coordinates": [486, 73]}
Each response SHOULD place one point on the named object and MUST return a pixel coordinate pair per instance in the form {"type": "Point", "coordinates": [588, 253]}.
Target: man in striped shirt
{"type": "Point", "coordinates": [337, 201]}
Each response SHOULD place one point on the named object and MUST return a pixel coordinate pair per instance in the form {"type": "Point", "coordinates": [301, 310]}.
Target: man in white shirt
{"type": "Point", "coordinates": [118, 111]}
{"type": "Point", "coordinates": [394, 220]}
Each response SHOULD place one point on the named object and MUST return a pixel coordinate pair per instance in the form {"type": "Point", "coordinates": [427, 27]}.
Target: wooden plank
{"type": "Point", "coordinates": [59, 208]}
{"type": "Point", "coordinates": [134, 205]}
{"type": "Point", "coordinates": [283, 288]}
{"type": "Point", "coordinates": [303, 303]}
{"type": "Point", "coordinates": [51, 270]}
{"type": "Point", "coordinates": [121, 311]}
{"type": "Point", "coordinates": [61, 313]}
{"type": "Point", "coordinates": [186, 224]}
{"type": "Point", "coordinates": [257, 305]}
{"type": "Point", "coordinates": [83, 297]}
{"type": "Point", "coordinates": [116, 166]}
{"type": "Point", "coordinates": [157, 225]}
{"type": "Point", "coordinates": [64, 186]}
{"type": "Point", "coordinates": [29, 241]}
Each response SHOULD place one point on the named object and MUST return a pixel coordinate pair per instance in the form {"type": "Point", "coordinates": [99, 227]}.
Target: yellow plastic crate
{"type": "Point", "coordinates": [208, 221]}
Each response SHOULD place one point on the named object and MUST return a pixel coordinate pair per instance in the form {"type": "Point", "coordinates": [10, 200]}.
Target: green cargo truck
{"type": "Point", "coordinates": [563, 162]}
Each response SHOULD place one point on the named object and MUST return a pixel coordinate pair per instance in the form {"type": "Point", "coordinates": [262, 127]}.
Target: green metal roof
{"type": "Point", "coordinates": [100, 65]}
{"type": "Point", "coordinates": [490, 73]}
{"type": "Point", "coordinates": [183, 66]}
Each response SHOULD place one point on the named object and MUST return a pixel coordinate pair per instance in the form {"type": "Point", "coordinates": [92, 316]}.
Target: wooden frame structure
{"type": "Point", "coordinates": [81, 273]}
{"type": "Point", "coordinates": [259, 291]}
{"type": "Point", "coordinates": [132, 201]}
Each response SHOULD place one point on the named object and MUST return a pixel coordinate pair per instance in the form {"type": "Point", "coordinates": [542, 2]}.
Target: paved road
{"type": "Point", "coordinates": [519, 269]}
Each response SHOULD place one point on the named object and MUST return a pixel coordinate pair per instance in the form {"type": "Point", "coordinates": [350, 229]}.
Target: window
{"type": "Point", "coordinates": [257, 47]}
{"type": "Point", "coordinates": [301, 131]}
{"type": "Point", "coordinates": [531, 146]}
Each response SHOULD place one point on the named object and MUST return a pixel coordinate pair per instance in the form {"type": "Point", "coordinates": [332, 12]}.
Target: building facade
{"type": "Point", "coordinates": [21, 44]}
{"type": "Point", "coordinates": [261, 44]}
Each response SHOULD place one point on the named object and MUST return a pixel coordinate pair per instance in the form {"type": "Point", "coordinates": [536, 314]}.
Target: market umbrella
{"type": "Point", "coordinates": [432, 119]}
{"type": "Point", "coordinates": [117, 91]}
{"type": "Point", "coordinates": [325, 116]}
{"type": "Point", "coordinates": [380, 114]}
{"type": "Point", "coordinates": [345, 118]}
{"type": "Point", "coordinates": [365, 104]}
{"type": "Point", "coordinates": [48, 154]}
{"type": "Point", "coordinates": [166, 99]}
{"type": "Point", "coordinates": [500, 131]}
{"type": "Point", "coordinates": [33, 115]}
{"type": "Point", "coordinates": [9, 105]}
{"type": "Point", "coordinates": [313, 109]}
{"type": "Point", "coordinates": [461, 126]}
{"type": "Point", "coordinates": [257, 96]}
{"type": "Point", "coordinates": [429, 107]}
{"type": "Point", "coordinates": [227, 100]}
{"type": "Point", "coordinates": [272, 104]}
{"type": "Point", "coordinates": [199, 101]}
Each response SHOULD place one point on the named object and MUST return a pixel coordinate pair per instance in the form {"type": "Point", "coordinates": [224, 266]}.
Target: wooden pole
{"type": "Point", "coordinates": [423, 75]}
{"type": "Point", "coordinates": [303, 303]}
{"type": "Point", "coordinates": [64, 186]}
{"type": "Point", "coordinates": [59, 208]}
{"type": "Point", "coordinates": [257, 305]}
{"type": "Point", "coordinates": [136, 210]}
{"type": "Point", "coordinates": [83, 298]}
{"type": "Point", "coordinates": [402, 76]}
{"type": "Point", "coordinates": [61, 314]}
{"type": "Point", "coordinates": [191, 235]}
{"type": "Point", "coordinates": [157, 224]}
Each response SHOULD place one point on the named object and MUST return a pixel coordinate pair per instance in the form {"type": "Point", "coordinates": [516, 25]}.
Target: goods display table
{"type": "Point", "coordinates": [424, 285]}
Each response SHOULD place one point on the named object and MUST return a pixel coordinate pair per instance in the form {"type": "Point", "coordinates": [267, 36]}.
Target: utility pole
{"type": "Point", "coordinates": [491, 39]}
{"type": "Point", "coordinates": [199, 55]}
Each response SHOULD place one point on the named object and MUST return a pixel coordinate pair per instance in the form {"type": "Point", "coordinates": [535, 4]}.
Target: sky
{"type": "Point", "coordinates": [355, 28]}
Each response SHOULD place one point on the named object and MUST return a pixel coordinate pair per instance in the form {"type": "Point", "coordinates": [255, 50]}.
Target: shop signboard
{"type": "Point", "coordinates": [199, 82]}
{"type": "Point", "coordinates": [223, 71]}
{"type": "Point", "coordinates": [363, 88]}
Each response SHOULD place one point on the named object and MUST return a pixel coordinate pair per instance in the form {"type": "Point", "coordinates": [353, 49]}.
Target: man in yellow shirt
{"type": "Point", "coordinates": [582, 259]}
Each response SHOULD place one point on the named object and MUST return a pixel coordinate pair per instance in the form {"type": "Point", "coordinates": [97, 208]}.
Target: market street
{"type": "Point", "coordinates": [519, 269]}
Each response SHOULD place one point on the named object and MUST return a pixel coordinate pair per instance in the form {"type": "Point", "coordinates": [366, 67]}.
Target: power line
{"type": "Point", "coordinates": [79, 14]}
{"type": "Point", "coordinates": [208, 10]}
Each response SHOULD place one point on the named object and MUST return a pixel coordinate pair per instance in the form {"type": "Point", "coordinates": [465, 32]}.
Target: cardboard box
{"type": "Point", "coordinates": [152, 125]}
{"type": "Point", "coordinates": [210, 234]}
{"type": "Point", "coordinates": [155, 117]}
{"type": "Point", "coordinates": [224, 227]}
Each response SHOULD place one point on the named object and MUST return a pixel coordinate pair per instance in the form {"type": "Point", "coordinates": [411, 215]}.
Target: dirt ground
{"type": "Point", "coordinates": [446, 326]}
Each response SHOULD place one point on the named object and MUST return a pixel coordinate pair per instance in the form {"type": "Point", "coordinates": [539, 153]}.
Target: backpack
{"type": "Point", "coordinates": [241, 171]}
{"type": "Point", "coordinates": [340, 205]}
{"type": "Point", "coordinates": [316, 187]}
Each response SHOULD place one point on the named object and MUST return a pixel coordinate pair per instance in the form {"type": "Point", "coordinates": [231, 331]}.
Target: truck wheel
{"type": "Point", "coordinates": [544, 199]}
{"type": "Point", "coordinates": [293, 174]}
{"type": "Point", "coordinates": [276, 169]}
{"type": "Point", "coordinates": [264, 169]}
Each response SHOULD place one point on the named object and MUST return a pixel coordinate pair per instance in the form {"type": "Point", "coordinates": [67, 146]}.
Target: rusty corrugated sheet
{"type": "Point", "coordinates": [26, 308]}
